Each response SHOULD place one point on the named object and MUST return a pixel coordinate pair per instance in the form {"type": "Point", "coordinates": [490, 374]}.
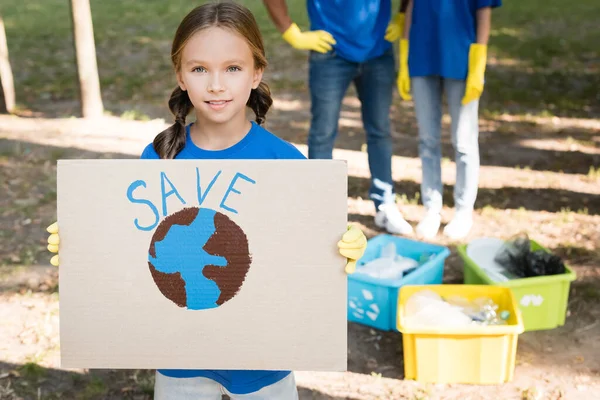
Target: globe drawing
{"type": "Point", "coordinates": [199, 258]}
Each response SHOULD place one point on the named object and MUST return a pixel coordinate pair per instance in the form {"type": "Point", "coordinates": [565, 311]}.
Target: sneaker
{"type": "Point", "coordinates": [429, 225]}
{"type": "Point", "coordinates": [460, 225]}
{"type": "Point", "coordinates": [390, 218]}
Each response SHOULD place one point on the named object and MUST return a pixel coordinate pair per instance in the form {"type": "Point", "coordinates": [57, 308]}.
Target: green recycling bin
{"type": "Point", "coordinates": [542, 300]}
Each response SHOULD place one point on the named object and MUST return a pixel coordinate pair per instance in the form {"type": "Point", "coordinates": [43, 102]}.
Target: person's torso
{"type": "Point", "coordinates": [237, 382]}
{"type": "Point", "coordinates": [441, 34]}
{"type": "Point", "coordinates": [257, 144]}
{"type": "Point", "coordinates": [358, 26]}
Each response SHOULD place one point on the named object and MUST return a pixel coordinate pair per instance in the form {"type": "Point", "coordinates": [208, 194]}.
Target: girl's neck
{"type": "Point", "coordinates": [211, 136]}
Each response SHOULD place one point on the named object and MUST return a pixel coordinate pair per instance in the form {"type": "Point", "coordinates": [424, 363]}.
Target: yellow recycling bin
{"type": "Point", "coordinates": [473, 354]}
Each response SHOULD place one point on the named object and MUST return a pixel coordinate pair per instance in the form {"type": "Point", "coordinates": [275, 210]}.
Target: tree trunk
{"type": "Point", "coordinates": [7, 94]}
{"type": "Point", "coordinates": [87, 68]}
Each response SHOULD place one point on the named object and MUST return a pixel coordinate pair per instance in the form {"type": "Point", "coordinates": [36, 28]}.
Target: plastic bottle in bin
{"type": "Point", "coordinates": [389, 265]}
{"type": "Point", "coordinates": [427, 308]}
{"type": "Point", "coordinates": [482, 310]}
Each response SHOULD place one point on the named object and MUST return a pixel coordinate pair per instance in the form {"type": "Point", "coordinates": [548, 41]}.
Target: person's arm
{"type": "Point", "coordinates": [403, 6]}
{"type": "Point", "coordinates": [279, 14]}
{"type": "Point", "coordinates": [320, 41]}
{"type": "Point", "coordinates": [407, 18]}
{"type": "Point", "coordinates": [396, 28]}
{"type": "Point", "coordinates": [403, 80]}
{"type": "Point", "coordinates": [478, 56]}
{"type": "Point", "coordinates": [484, 23]}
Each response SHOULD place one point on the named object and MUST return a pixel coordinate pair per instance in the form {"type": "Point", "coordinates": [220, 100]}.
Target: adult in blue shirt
{"type": "Point", "coordinates": [347, 43]}
{"type": "Point", "coordinates": [447, 54]}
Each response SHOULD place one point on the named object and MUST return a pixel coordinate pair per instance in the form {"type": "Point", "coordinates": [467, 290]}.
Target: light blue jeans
{"type": "Point", "coordinates": [427, 95]}
{"type": "Point", "coordinates": [329, 78]}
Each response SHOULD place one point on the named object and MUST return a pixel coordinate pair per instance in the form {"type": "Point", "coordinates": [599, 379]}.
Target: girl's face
{"type": "Point", "coordinates": [217, 70]}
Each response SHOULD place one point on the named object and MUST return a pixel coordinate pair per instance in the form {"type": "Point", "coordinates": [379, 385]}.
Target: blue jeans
{"type": "Point", "coordinates": [329, 78]}
{"type": "Point", "coordinates": [427, 95]}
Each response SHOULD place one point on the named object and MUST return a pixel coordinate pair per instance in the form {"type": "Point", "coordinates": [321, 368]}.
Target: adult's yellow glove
{"type": "Point", "coordinates": [475, 78]}
{"type": "Point", "coordinates": [320, 41]}
{"type": "Point", "coordinates": [395, 28]}
{"type": "Point", "coordinates": [53, 242]}
{"type": "Point", "coordinates": [403, 76]}
{"type": "Point", "coordinates": [352, 246]}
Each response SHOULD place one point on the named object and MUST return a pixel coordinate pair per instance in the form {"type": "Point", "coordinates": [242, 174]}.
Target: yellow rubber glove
{"type": "Point", "coordinates": [403, 76]}
{"type": "Point", "coordinates": [395, 28]}
{"type": "Point", "coordinates": [53, 242]}
{"type": "Point", "coordinates": [320, 41]}
{"type": "Point", "coordinates": [475, 78]}
{"type": "Point", "coordinates": [352, 246]}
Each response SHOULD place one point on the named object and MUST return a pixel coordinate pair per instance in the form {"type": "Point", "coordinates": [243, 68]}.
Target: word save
{"type": "Point", "coordinates": [135, 195]}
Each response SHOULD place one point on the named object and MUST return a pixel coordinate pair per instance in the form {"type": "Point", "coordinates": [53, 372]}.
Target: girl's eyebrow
{"type": "Point", "coordinates": [234, 61]}
{"type": "Point", "coordinates": [227, 62]}
{"type": "Point", "coordinates": [190, 62]}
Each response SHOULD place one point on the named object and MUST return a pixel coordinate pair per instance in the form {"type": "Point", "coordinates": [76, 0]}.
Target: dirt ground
{"type": "Point", "coordinates": [540, 157]}
{"type": "Point", "coordinates": [538, 176]}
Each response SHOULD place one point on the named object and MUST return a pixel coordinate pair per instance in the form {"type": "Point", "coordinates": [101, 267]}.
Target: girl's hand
{"type": "Point", "coordinates": [352, 246]}
{"type": "Point", "coordinates": [53, 242]}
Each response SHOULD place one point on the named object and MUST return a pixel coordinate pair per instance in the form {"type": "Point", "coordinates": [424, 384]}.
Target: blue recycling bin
{"type": "Point", "coordinates": [374, 302]}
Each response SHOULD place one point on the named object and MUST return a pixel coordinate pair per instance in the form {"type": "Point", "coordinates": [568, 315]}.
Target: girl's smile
{"type": "Point", "coordinates": [218, 105]}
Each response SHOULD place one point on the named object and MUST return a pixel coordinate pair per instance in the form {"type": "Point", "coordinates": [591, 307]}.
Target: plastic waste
{"type": "Point", "coordinates": [517, 258]}
{"type": "Point", "coordinates": [427, 308]}
{"type": "Point", "coordinates": [389, 265]}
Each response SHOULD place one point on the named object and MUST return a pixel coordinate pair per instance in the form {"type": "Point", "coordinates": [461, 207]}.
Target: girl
{"type": "Point", "coordinates": [219, 59]}
{"type": "Point", "coordinates": [447, 54]}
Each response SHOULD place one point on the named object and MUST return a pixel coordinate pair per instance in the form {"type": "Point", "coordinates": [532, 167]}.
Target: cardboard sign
{"type": "Point", "coordinates": [202, 264]}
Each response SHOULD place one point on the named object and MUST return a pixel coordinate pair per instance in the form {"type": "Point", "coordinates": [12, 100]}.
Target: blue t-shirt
{"type": "Point", "coordinates": [358, 26]}
{"type": "Point", "coordinates": [441, 33]}
{"type": "Point", "coordinates": [257, 144]}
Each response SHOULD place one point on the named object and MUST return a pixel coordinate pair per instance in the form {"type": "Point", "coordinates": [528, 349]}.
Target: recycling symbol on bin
{"type": "Point", "coordinates": [531, 299]}
{"type": "Point", "coordinates": [364, 305]}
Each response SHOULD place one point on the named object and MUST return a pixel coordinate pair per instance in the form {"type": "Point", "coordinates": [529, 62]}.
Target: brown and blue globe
{"type": "Point", "coordinates": [199, 258]}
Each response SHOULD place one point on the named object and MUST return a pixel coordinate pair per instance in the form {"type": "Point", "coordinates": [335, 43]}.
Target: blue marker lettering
{"type": "Point", "coordinates": [232, 189]}
{"type": "Point", "coordinates": [130, 190]}
{"type": "Point", "coordinates": [210, 185]}
{"type": "Point", "coordinates": [163, 178]}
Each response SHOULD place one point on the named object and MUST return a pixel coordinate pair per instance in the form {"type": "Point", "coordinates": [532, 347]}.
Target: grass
{"type": "Point", "coordinates": [95, 388]}
{"type": "Point", "coordinates": [543, 62]}
{"type": "Point", "coordinates": [594, 174]}
{"type": "Point", "coordinates": [576, 142]}
{"type": "Point", "coordinates": [590, 291]}
{"type": "Point", "coordinates": [404, 199]}
{"type": "Point", "coordinates": [32, 371]}
{"type": "Point", "coordinates": [565, 215]}
{"type": "Point", "coordinates": [135, 115]}
{"type": "Point", "coordinates": [144, 381]}
{"type": "Point", "coordinates": [488, 210]}
{"type": "Point", "coordinates": [133, 42]}
{"type": "Point", "coordinates": [524, 168]}
{"type": "Point", "coordinates": [547, 58]}
{"type": "Point", "coordinates": [531, 393]}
